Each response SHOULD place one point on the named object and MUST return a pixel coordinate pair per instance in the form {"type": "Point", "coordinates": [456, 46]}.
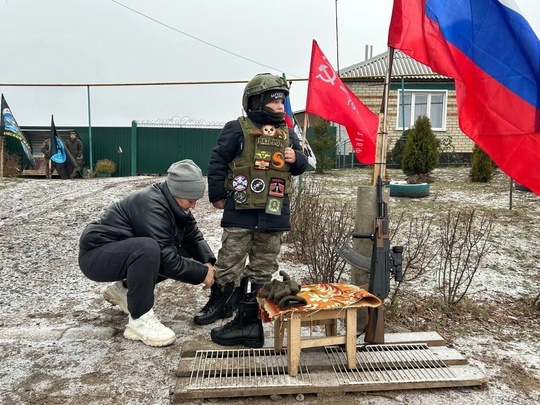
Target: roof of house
{"type": "Point", "coordinates": [403, 66]}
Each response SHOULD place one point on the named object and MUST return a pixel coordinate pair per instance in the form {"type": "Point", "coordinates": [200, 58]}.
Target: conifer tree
{"type": "Point", "coordinates": [420, 154]}
{"type": "Point", "coordinates": [323, 145]}
{"type": "Point", "coordinates": [482, 166]}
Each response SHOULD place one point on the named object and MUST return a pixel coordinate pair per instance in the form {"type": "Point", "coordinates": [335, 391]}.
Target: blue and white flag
{"type": "Point", "coordinates": [65, 163]}
{"type": "Point", "coordinates": [9, 127]}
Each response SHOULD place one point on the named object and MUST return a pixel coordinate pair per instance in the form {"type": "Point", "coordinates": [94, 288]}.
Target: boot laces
{"type": "Point", "coordinates": [234, 324]}
{"type": "Point", "coordinates": [154, 322]}
{"type": "Point", "coordinates": [212, 302]}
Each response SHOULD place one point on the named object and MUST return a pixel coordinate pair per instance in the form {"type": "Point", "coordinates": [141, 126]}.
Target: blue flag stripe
{"type": "Point", "coordinates": [506, 47]}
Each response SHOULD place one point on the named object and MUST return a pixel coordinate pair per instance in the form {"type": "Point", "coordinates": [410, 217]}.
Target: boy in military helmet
{"type": "Point", "coordinates": [249, 177]}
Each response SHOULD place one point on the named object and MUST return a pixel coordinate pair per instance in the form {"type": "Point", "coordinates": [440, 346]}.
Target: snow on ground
{"type": "Point", "coordinates": [61, 343]}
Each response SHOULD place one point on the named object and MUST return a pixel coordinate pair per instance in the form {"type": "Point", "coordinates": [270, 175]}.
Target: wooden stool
{"type": "Point", "coordinates": [293, 321]}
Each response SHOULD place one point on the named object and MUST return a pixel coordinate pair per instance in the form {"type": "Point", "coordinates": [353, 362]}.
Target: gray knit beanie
{"type": "Point", "coordinates": [185, 180]}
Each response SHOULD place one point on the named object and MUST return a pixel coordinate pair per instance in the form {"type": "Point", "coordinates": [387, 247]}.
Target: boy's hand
{"type": "Point", "coordinates": [219, 204]}
{"type": "Point", "coordinates": [289, 154]}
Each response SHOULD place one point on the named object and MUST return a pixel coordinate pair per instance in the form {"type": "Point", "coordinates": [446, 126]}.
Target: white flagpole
{"type": "Point", "coordinates": [2, 157]}
{"type": "Point", "coordinates": [382, 138]}
{"type": "Point", "coordinates": [306, 119]}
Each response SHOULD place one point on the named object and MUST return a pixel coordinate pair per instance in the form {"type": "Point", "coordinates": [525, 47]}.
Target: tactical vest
{"type": "Point", "coordinates": [260, 177]}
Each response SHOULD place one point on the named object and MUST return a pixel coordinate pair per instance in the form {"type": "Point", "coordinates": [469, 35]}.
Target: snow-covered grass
{"type": "Point", "coordinates": [62, 343]}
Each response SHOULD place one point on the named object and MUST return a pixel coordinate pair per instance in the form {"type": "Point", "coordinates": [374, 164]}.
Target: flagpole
{"type": "Point", "coordinates": [2, 141]}
{"type": "Point", "coordinates": [89, 129]}
{"type": "Point", "coordinates": [2, 157]}
{"type": "Point", "coordinates": [292, 117]}
{"type": "Point", "coordinates": [382, 139]}
{"type": "Point", "coordinates": [337, 40]}
{"type": "Point", "coordinates": [304, 133]}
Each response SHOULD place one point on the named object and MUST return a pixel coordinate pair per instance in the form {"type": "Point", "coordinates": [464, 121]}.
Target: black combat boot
{"type": "Point", "coordinates": [245, 329]}
{"type": "Point", "coordinates": [215, 307]}
{"type": "Point", "coordinates": [238, 295]}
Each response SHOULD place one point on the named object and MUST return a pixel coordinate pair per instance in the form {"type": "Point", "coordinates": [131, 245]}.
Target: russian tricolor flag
{"type": "Point", "coordinates": [493, 55]}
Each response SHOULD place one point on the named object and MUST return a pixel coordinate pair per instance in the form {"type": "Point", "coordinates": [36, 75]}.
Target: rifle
{"type": "Point", "coordinates": [383, 263]}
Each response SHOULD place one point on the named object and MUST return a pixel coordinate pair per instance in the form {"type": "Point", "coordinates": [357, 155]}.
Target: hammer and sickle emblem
{"type": "Point", "coordinates": [327, 75]}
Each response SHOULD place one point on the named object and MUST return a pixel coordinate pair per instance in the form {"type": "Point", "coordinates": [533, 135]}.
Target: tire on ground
{"type": "Point", "coordinates": [403, 189]}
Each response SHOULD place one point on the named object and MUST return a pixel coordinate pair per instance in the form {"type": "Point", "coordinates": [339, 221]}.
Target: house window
{"type": "Point", "coordinates": [412, 103]}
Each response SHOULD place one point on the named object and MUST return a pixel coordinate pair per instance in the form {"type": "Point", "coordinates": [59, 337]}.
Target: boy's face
{"type": "Point", "coordinates": [72, 136]}
{"type": "Point", "coordinates": [277, 105]}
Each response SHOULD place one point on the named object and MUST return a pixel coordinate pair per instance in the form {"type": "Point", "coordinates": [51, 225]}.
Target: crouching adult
{"type": "Point", "coordinates": [147, 237]}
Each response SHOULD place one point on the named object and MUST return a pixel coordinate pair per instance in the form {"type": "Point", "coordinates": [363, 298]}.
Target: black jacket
{"type": "Point", "coordinates": [229, 146]}
{"type": "Point", "coordinates": [153, 212]}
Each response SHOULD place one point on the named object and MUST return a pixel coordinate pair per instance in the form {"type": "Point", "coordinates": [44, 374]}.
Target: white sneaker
{"type": "Point", "coordinates": [149, 330]}
{"type": "Point", "coordinates": [116, 294]}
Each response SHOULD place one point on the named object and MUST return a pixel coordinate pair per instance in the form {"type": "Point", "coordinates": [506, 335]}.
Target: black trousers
{"type": "Point", "coordinates": [136, 260]}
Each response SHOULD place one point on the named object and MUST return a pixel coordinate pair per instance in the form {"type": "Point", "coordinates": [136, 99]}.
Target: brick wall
{"type": "Point", "coordinates": [371, 94]}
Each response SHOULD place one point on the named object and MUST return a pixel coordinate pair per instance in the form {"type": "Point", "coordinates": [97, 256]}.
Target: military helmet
{"type": "Point", "coordinates": [262, 83]}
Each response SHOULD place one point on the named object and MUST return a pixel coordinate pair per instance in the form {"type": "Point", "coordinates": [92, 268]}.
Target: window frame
{"type": "Point", "coordinates": [412, 117]}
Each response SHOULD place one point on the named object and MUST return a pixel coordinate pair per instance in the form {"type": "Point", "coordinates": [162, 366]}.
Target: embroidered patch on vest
{"type": "Point", "coordinates": [278, 143]}
{"type": "Point", "coordinates": [276, 188]}
{"type": "Point", "coordinates": [278, 159]}
{"type": "Point", "coordinates": [257, 185]}
{"type": "Point", "coordinates": [274, 205]}
{"type": "Point", "coordinates": [240, 197]}
{"type": "Point", "coordinates": [261, 164]}
{"type": "Point", "coordinates": [240, 183]}
{"type": "Point", "coordinates": [262, 154]}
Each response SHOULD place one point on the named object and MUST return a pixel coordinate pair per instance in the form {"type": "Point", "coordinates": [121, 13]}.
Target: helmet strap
{"type": "Point", "coordinates": [255, 103]}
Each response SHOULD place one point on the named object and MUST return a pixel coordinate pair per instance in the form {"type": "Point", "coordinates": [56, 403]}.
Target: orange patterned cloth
{"type": "Point", "coordinates": [320, 297]}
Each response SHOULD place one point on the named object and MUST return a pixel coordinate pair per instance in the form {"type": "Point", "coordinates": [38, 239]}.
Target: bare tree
{"type": "Point", "coordinates": [464, 238]}
{"type": "Point", "coordinates": [318, 226]}
{"type": "Point", "coordinates": [419, 250]}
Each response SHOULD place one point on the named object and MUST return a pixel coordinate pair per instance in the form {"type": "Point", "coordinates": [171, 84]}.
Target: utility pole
{"type": "Point", "coordinates": [337, 40]}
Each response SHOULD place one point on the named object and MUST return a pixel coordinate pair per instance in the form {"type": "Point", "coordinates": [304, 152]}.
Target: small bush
{"type": "Point", "coordinates": [11, 164]}
{"type": "Point", "coordinates": [323, 145]}
{"type": "Point", "coordinates": [447, 151]}
{"type": "Point", "coordinates": [395, 156]}
{"type": "Point", "coordinates": [482, 166]}
{"type": "Point", "coordinates": [105, 166]}
{"type": "Point", "coordinates": [420, 154]}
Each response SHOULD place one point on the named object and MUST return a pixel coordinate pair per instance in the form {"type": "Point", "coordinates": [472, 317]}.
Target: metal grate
{"type": "Point", "coordinates": [243, 368]}
{"type": "Point", "coordinates": [389, 364]}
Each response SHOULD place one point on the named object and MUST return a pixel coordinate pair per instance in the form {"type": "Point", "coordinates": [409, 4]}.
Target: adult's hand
{"type": "Point", "coordinates": [209, 279]}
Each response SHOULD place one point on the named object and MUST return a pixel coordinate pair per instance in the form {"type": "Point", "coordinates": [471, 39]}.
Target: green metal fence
{"type": "Point", "coordinates": [135, 150]}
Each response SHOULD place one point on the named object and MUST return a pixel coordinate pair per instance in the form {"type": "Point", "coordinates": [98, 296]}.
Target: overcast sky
{"type": "Point", "coordinates": [134, 41]}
